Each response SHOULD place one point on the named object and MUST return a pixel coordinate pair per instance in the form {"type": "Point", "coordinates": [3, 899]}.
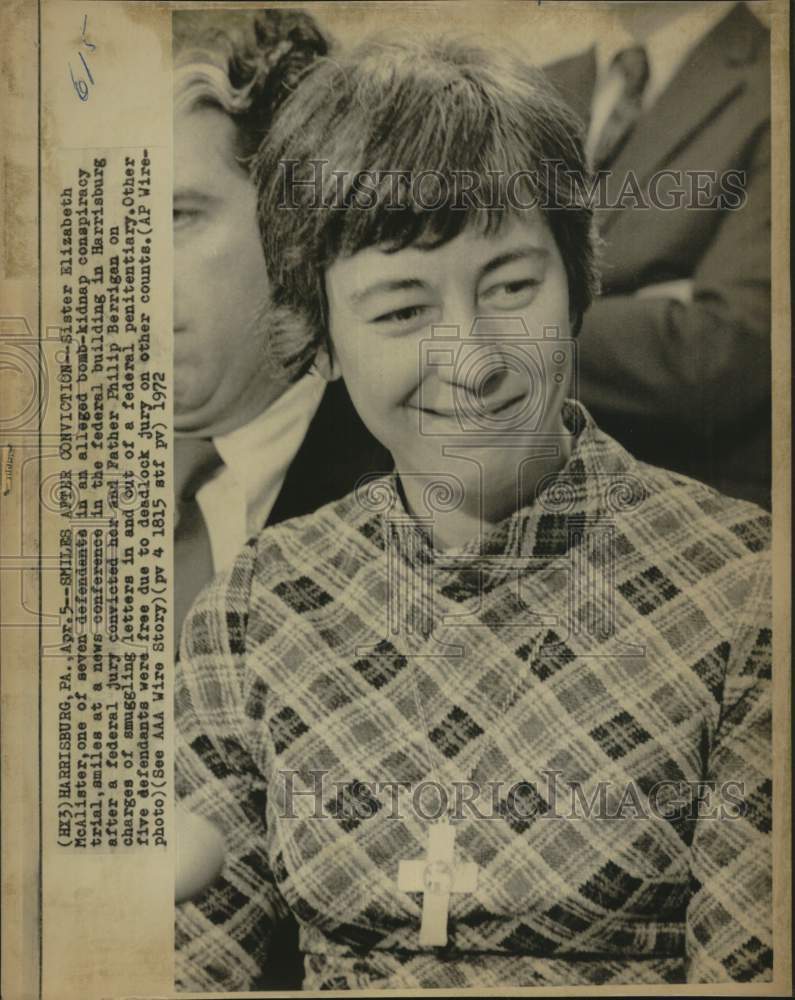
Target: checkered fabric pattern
{"type": "Point", "coordinates": [614, 636]}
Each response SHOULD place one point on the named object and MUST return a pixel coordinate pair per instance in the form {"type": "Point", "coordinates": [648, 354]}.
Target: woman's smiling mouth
{"type": "Point", "coordinates": [475, 410]}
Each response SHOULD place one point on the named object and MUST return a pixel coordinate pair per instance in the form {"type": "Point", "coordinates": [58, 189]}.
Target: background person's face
{"type": "Point", "coordinates": [221, 375]}
{"type": "Point", "coordinates": [382, 308]}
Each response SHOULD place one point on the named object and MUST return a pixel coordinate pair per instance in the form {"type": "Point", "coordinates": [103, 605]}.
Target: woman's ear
{"type": "Point", "coordinates": [325, 363]}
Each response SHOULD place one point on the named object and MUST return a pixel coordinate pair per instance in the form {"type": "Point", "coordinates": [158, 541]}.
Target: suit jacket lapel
{"type": "Point", "coordinates": [302, 490]}
{"type": "Point", "coordinates": [335, 452]}
{"type": "Point", "coordinates": [704, 85]}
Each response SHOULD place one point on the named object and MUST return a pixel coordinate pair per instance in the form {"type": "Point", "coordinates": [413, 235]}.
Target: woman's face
{"type": "Point", "coordinates": [467, 344]}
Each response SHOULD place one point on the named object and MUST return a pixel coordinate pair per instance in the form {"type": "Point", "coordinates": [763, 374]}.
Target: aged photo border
{"type": "Point", "coordinates": [22, 941]}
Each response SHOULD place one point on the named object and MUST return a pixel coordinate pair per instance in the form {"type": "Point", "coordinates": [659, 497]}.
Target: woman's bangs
{"type": "Point", "coordinates": [427, 195]}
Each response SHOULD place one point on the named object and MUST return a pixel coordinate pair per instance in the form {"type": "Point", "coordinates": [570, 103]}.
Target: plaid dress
{"type": "Point", "coordinates": [593, 673]}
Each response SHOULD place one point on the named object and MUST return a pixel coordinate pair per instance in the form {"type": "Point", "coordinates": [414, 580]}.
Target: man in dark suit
{"type": "Point", "coordinates": [264, 431]}
{"type": "Point", "coordinates": [675, 355]}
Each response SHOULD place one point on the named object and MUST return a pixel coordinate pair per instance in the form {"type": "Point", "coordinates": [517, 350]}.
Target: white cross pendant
{"type": "Point", "coordinates": [436, 877]}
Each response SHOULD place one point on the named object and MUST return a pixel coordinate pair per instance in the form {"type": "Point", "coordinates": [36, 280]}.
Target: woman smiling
{"type": "Point", "coordinates": [499, 717]}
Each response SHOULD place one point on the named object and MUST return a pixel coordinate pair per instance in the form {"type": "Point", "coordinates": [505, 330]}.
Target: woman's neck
{"type": "Point", "coordinates": [486, 498]}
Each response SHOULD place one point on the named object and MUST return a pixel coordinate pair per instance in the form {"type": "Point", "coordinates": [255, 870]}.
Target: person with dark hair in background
{"type": "Point", "coordinates": [262, 433]}
{"type": "Point", "coordinates": [675, 354]}
{"type": "Point", "coordinates": [500, 717]}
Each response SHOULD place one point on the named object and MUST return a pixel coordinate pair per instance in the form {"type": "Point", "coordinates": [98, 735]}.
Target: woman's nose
{"type": "Point", "coordinates": [492, 376]}
{"type": "Point", "coordinates": [487, 355]}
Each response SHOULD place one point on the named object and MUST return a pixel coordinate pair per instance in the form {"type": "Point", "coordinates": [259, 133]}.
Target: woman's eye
{"type": "Point", "coordinates": [403, 315]}
{"type": "Point", "coordinates": [183, 216]}
{"type": "Point", "coordinates": [512, 292]}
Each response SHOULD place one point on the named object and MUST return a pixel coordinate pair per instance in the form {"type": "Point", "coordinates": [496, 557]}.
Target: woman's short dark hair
{"type": "Point", "coordinates": [337, 172]}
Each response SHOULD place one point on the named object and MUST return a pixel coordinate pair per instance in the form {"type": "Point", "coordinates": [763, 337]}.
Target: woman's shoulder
{"type": "Point", "coordinates": [674, 535]}
{"type": "Point", "coordinates": [693, 513]}
{"type": "Point", "coordinates": [668, 510]}
{"type": "Point", "coordinates": [691, 540]}
{"type": "Point", "coordinates": [300, 544]}
{"type": "Point", "coordinates": [277, 574]}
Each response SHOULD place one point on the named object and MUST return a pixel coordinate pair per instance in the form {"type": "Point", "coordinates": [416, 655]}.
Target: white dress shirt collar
{"type": "Point", "coordinates": [265, 447]}
{"type": "Point", "coordinates": [236, 503]}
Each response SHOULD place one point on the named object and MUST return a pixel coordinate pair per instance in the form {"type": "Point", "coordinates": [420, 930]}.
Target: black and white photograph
{"type": "Point", "coordinates": [472, 412]}
{"type": "Point", "coordinates": [395, 511]}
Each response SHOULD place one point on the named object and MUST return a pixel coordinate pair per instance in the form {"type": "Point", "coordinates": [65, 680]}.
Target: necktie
{"type": "Point", "coordinates": [634, 67]}
{"type": "Point", "coordinates": [195, 461]}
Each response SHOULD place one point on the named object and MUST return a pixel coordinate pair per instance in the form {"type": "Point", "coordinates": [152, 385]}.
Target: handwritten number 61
{"type": "Point", "coordinates": [80, 85]}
